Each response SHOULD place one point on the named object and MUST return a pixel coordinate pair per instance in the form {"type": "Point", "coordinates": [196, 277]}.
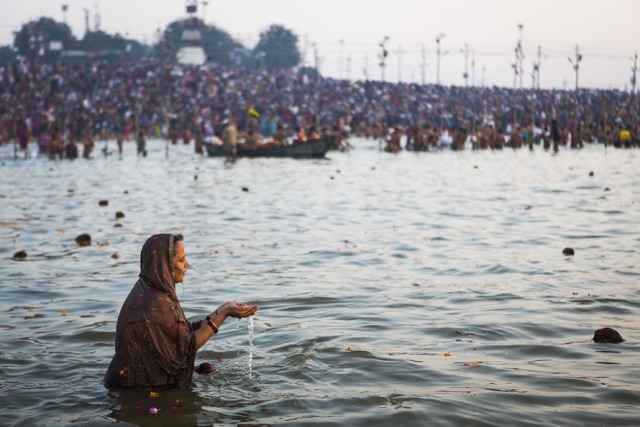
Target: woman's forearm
{"type": "Point", "coordinates": [206, 332]}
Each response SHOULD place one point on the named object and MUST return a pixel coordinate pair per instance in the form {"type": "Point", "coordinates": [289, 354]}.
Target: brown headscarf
{"type": "Point", "coordinates": [155, 344]}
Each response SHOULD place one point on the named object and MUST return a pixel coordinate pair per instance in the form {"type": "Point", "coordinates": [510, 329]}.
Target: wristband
{"type": "Point", "coordinates": [212, 325]}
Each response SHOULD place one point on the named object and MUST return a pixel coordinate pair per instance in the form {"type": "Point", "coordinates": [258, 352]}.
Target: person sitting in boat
{"type": "Point", "coordinates": [313, 134]}
{"type": "Point", "coordinates": [252, 140]}
{"type": "Point", "coordinates": [279, 137]}
{"type": "Point", "coordinates": [301, 135]}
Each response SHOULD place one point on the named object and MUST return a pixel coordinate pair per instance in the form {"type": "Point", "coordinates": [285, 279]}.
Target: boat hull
{"type": "Point", "coordinates": [312, 149]}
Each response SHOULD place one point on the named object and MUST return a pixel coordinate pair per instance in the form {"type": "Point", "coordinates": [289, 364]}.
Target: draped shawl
{"type": "Point", "coordinates": [155, 343]}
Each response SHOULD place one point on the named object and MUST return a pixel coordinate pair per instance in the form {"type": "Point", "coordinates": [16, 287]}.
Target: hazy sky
{"type": "Point", "coordinates": [347, 34]}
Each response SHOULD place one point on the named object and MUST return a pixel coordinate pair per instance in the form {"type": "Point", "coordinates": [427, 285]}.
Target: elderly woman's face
{"type": "Point", "coordinates": [180, 263]}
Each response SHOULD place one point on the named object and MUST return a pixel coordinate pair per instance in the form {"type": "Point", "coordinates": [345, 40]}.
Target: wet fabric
{"type": "Point", "coordinates": [155, 343]}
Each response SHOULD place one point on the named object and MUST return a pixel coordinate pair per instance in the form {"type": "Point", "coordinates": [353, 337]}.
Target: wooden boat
{"type": "Point", "coordinates": [309, 149]}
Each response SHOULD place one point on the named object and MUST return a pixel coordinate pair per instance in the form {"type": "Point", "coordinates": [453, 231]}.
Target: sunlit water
{"type": "Point", "coordinates": [409, 289]}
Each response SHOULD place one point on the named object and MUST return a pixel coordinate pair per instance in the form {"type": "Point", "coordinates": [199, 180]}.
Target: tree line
{"type": "Point", "coordinates": [49, 40]}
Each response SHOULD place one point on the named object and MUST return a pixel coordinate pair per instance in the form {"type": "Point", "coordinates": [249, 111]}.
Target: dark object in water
{"type": "Point", "coordinates": [20, 255]}
{"type": "Point", "coordinates": [83, 240]}
{"type": "Point", "coordinates": [310, 149]}
{"type": "Point", "coordinates": [607, 189]}
{"type": "Point", "coordinates": [116, 255]}
{"type": "Point", "coordinates": [568, 251]}
{"type": "Point", "coordinates": [103, 202]}
{"type": "Point", "coordinates": [245, 189]}
{"type": "Point", "coordinates": [607, 335]}
{"type": "Point", "coordinates": [205, 368]}
{"type": "Point", "coordinates": [195, 177]}
{"type": "Point", "coordinates": [119, 215]}
{"type": "Point", "coordinates": [117, 225]}
{"type": "Point", "coordinates": [591, 173]}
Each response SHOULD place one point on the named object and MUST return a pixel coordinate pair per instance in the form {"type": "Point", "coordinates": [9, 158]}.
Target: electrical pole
{"type": "Point", "coordinates": [348, 66]}
{"type": "Point", "coordinates": [466, 64]}
{"type": "Point", "coordinates": [399, 52]}
{"type": "Point", "coordinates": [520, 54]}
{"type": "Point", "coordinates": [423, 65]}
{"type": "Point", "coordinates": [86, 21]}
{"type": "Point", "coordinates": [473, 68]}
{"type": "Point", "coordinates": [634, 70]}
{"type": "Point", "coordinates": [365, 70]}
{"type": "Point", "coordinates": [438, 40]}
{"type": "Point", "coordinates": [382, 56]}
{"type": "Point", "coordinates": [634, 97]}
{"type": "Point", "coordinates": [537, 67]}
{"type": "Point", "coordinates": [341, 57]}
{"type": "Point", "coordinates": [517, 65]}
{"type": "Point", "coordinates": [576, 63]}
{"type": "Point", "coordinates": [315, 57]}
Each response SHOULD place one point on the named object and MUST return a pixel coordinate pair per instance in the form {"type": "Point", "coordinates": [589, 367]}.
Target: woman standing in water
{"type": "Point", "coordinates": [155, 343]}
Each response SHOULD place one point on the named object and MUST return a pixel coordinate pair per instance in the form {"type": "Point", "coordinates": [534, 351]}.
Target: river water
{"type": "Point", "coordinates": [408, 289]}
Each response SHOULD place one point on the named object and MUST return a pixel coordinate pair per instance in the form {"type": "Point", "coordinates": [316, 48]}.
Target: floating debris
{"type": "Point", "coordinates": [607, 335]}
{"type": "Point", "coordinates": [103, 203]}
{"type": "Point", "coordinates": [245, 189]}
{"type": "Point", "coordinates": [447, 354]}
{"type": "Point", "coordinates": [119, 215]}
{"type": "Point", "coordinates": [607, 189]}
{"type": "Point", "coordinates": [83, 240]}
{"type": "Point", "coordinates": [591, 173]}
{"type": "Point", "coordinates": [20, 255]}
{"type": "Point", "coordinates": [205, 368]}
{"type": "Point", "coordinates": [116, 255]}
{"type": "Point", "coordinates": [568, 251]}
{"type": "Point", "coordinates": [349, 349]}
{"type": "Point", "coordinates": [154, 395]}
{"type": "Point", "coordinates": [117, 225]}
{"type": "Point", "coordinates": [195, 177]}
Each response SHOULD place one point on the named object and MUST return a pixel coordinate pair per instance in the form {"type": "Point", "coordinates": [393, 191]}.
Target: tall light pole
{"type": "Point", "coordinates": [465, 75]}
{"type": "Point", "coordinates": [536, 67]}
{"type": "Point", "coordinates": [423, 65]}
{"type": "Point", "coordinates": [399, 52]}
{"type": "Point", "coordinates": [517, 65]}
{"type": "Point", "coordinates": [204, 10]}
{"type": "Point", "coordinates": [576, 63]}
{"type": "Point", "coordinates": [473, 68]}
{"type": "Point", "coordinates": [365, 70]}
{"type": "Point", "coordinates": [438, 40]}
{"type": "Point", "coordinates": [382, 56]}
{"type": "Point", "coordinates": [520, 54]}
{"type": "Point", "coordinates": [634, 70]}
{"type": "Point", "coordinates": [65, 7]}
{"type": "Point", "coordinates": [341, 57]}
{"type": "Point", "coordinates": [634, 95]}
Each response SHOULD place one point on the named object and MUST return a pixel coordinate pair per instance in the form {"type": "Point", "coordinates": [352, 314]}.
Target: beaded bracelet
{"type": "Point", "coordinates": [212, 325]}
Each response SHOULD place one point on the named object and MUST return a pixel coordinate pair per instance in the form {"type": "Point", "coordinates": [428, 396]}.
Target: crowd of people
{"type": "Point", "coordinates": [61, 104]}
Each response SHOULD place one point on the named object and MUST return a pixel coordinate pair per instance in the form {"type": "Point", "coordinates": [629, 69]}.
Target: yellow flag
{"type": "Point", "coordinates": [253, 113]}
